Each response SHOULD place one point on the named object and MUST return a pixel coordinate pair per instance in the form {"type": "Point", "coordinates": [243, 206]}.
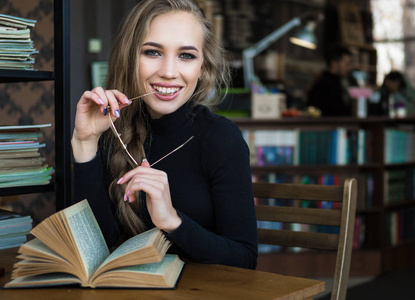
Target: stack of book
{"type": "Point", "coordinates": [14, 229]}
{"type": "Point", "coordinates": [21, 163]}
{"type": "Point", "coordinates": [16, 47]}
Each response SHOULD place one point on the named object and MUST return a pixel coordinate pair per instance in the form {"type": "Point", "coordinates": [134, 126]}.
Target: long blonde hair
{"type": "Point", "coordinates": [123, 75]}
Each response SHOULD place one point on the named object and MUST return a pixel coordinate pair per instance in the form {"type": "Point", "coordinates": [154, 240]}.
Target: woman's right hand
{"type": "Point", "coordinates": [91, 120]}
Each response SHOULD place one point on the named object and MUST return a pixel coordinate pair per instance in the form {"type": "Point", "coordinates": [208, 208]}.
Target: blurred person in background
{"type": "Point", "coordinates": [329, 92]}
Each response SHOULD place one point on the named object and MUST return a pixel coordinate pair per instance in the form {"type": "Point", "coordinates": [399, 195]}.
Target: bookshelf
{"type": "Point", "coordinates": [61, 181]}
{"type": "Point", "coordinates": [386, 245]}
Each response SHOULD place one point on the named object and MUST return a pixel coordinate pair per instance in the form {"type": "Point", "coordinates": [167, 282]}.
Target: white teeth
{"type": "Point", "coordinates": [165, 91]}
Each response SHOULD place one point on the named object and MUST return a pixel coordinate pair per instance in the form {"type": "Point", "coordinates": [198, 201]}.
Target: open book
{"type": "Point", "coordinates": [69, 248]}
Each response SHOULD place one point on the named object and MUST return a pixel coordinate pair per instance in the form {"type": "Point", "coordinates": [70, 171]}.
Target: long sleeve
{"type": "Point", "coordinates": [218, 219]}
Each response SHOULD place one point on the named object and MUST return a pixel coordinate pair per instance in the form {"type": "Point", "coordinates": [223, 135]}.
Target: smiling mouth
{"type": "Point", "coordinates": [166, 91]}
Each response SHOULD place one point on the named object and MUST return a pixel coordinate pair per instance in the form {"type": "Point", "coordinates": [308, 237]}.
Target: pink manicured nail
{"type": "Point", "coordinates": [125, 197]}
{"type": "Point", "coordinates": [126, 101]}
{"type": "Point", "coordinates": [119, 180]}
{"type": "Point", "coordinates": [100, 101]}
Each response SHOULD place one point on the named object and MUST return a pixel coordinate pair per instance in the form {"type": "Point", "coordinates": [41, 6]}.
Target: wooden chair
{"type": "Point", "coordinates": [343, 217]}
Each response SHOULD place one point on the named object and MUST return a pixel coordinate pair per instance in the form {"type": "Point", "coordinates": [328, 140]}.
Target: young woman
{"type": "Point", "coordinates": [200, 195]}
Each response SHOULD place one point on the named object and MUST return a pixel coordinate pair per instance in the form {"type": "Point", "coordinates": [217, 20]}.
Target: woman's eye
{"type": "Point", "coordinates": [151, 52]}
{"type": "Point", "coordinates": [187, 56]}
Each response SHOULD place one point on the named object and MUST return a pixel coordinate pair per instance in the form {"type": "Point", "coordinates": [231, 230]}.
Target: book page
{"type": "Point", "coordinates": [36, 245]}
{"type": "Point", "coordinates": [87, 235]}
{"type": "Point", "coordinates": [54, 279]}
{"type": "Point", "coordinates": [163, 274]}
{"type": "Point", "coordinates": [151, 268]}
{"type": "Point", "coordinates": [130, 252]}
{"type": "Point", "coordinates": [133, 244]}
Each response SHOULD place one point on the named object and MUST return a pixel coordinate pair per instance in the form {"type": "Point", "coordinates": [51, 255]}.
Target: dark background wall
{"type": "Point", "coordinates": [91, 19]}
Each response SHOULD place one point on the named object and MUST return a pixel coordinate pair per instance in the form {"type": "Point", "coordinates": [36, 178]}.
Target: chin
{"type": "Point", "coordinates": [161, 110]}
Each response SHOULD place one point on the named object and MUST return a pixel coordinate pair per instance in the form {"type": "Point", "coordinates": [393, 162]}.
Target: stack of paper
{"type": "Point", "coordinates": [14, 229]}
{"type": "Point", "coordinates": [16, 47]}
{"type": "Point", "coordinates": [21, 163]}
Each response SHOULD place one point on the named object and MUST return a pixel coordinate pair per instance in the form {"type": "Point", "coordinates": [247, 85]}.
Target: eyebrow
{"type": "Point", "coordinates": [161, 47]}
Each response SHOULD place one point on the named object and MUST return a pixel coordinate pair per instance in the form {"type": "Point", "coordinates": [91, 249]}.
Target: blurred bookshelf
{"type": "Point", "coordinates": [385, 221]}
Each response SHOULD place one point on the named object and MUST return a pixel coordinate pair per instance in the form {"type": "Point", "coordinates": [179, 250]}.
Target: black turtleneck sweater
{"type": "Point", "coordinates": [210, 186]}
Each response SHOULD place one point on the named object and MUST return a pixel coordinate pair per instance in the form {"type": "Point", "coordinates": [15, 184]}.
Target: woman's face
{"type": "Point", "coordinates": [170, 61]}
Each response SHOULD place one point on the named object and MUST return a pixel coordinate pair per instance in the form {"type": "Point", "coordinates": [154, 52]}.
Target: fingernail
{"type": "Point", "coordinates": [125, 197]}
{"type": "Point", "coordinates": [126, 101]}
{"type": "Point", "coordinates": [119, 180]}
{"type": "Point", "coordinates": [117, 113]}
{"type": "Point", "coordinates": [101, 101]}
{"type": "Point", "coordinates": [145, 159]}
{"type": "Point", "coordinates": [105, 111]}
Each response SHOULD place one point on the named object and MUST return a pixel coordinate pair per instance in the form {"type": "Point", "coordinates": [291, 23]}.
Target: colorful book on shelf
{"type": "Point", "coordinates": [30, 153]}
{"type": "Point", "coordinates": [21, 145]}
{"type": "Point", "coordinates": [140, 262]}
{"type": "Point", "coordinates": [272, 148]}
{"type": "Point", "coordinates": [21, 163]}
{"type": "Point", "coordinates": [359, 233]}
{"type": "Point", "coordinates": [339, 146]}
{"type": "Point", "coordinates": [17, 128]}
{"type": "Point", "coordinates": [14, 229]}
{"type": "Point", "coordinates": [22, 176]}
{"type": "Point", "coordinates": [400, 226]}
{"type": "Point", "coordinates": [399, 146]}
{"type": "Point", "coordinates": [17, 65]}
{"type": "Point", "coordinates": [16, 47]}
{"type": "Point", "coordinates": [17, 22]}
{"type": "Point", "coordinates": [13, 34]}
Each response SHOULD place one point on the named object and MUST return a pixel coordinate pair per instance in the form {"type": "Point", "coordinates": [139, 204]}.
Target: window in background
{"type": "Point", "coordinates": [388, 36]}
{"type": "Point", "coordinates": [394, 37]}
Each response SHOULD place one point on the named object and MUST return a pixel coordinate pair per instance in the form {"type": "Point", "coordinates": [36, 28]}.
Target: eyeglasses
{"type": "Point", "coordinates": [133, 163]}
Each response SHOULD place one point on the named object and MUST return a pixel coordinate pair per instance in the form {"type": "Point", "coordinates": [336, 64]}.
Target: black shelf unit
{"type": "Point", "coordinates": [10, 76]}
{"type": "Point", "coordinates": [27, 190]}
{"type": "Point", "coordinates": [61, 184]}
{"type": "Point", "coordinates": [62, 105]}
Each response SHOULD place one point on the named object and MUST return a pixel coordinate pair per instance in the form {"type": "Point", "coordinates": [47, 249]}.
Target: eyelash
{"type": "Point", "coordinates": [190, 56]}
{"type": "Point", "coordinates": [151, 52]}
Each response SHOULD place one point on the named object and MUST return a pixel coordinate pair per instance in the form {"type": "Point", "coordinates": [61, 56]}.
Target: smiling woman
{"type": "Point", "coordinates": [200, 194]}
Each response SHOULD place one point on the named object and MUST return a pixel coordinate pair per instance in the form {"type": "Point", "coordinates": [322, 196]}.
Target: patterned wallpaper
{"type": "Point", "coordinates": [32, 102]}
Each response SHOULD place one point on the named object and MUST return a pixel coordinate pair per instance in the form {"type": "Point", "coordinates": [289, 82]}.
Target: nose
{"type": "Point", "coordinates": [169, 67]}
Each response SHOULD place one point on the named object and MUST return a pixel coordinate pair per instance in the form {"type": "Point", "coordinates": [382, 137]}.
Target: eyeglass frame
{"type": "Point", "coordinates": [133, 163]}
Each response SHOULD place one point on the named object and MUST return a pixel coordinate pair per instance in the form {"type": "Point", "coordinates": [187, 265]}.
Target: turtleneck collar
{"type": "Point", "coordinates": [172, 122]}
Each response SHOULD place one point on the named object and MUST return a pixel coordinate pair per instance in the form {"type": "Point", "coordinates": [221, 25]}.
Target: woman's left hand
{"type": "Point", "coordinates": [156, 186]}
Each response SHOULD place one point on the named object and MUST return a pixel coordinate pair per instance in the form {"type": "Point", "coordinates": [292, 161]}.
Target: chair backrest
{"type": "Point", "coordinates": [343, 217]}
